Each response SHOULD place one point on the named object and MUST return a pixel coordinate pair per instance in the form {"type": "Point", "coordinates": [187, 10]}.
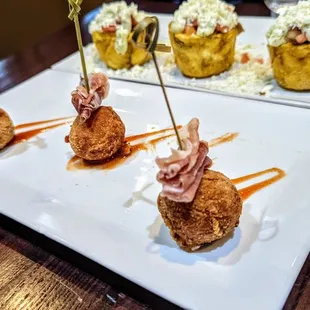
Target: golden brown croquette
{"type": "Point", "coordinates": [6, 129]}
{"type": "Point", "coordinates": [213, 213]}
{"type": "Point", "coordinates": [100, 137]}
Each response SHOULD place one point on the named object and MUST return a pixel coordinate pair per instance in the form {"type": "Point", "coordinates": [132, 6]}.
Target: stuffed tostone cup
{"type": "Point", "coordinates": [291, 65]}
{"type": "Point", "coordinates": [105, 44]}
{"type": "Point", "coordinates": [200, 57]}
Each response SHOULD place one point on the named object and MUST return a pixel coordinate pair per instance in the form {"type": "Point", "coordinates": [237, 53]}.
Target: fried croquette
{"type": "Point", "coordinates": [100, 137]}
{"type": "Point", "coordinates": [213, 213]}
{"type": "Point", "coordinates": [6, 129]}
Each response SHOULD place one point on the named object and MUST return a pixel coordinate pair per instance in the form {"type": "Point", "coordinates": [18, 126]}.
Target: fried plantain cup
{"type": "Point", "coordinates": [105, 44]}
{"type": "Point", "coordinates": [199, 57]}
{"type": "Point", "coordinates": [291, 65]}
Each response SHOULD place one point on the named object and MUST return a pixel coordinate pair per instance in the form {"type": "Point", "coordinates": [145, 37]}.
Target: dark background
{"type": "Point", "coordinates": [25, 22]}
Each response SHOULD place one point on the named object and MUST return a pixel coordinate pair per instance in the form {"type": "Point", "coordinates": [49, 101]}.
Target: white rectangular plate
{"type": "Point", "coordinates": [254, 35]}
{"type": "Point", "coordinates": [111, 216]}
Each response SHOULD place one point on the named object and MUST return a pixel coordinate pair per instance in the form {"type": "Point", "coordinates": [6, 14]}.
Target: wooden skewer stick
{"type": "Point", "coordinates": [163, 48]}
{"type": "Point", "coordinates": [151, 26]}
{"type": "Point", "coordinates": [167, 100]}
{"type": "Point", "coordinates": [74, 7]}
{"type": "Point", "coordinates": [160, 47]}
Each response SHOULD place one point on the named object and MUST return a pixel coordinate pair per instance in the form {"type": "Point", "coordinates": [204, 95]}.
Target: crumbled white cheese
{"type": "Point", "coordinates": [295, 16]}
{"type": "Point", "coordinates": [252, 78]}
{"type": "Point", "coordinates": [117, 14]}
{"type": "Point", "coordinates": [208, 13]}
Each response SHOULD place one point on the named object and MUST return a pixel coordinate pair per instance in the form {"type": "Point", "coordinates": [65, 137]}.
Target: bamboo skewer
{"type": "Point", "coordinates": [74, 7]}
{"type": "Point", "coordinates": [150, 25]}
{"type": "Point", "coordinates": [163, 48]}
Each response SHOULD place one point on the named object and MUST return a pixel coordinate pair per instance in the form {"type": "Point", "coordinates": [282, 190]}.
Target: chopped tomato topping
{"type": "Point", "coordinates": [189, 30]}
{"type": "Point", "coordinates": [296, 36]}
{"type": "Point", "coordinates": [221, 28]}
{"type": "Point", "coordinates": [245, 58]}
{"type": "Point", "coordinates": [195, 23]}
{"type": "Point", "coordinates": [110, 28]}
{"type": "Point", "coordinates": [259, 60]}
{"type": "Point", "coordinates": [300, 39]}
{"type": "Point", "coordinates": [133, 22]}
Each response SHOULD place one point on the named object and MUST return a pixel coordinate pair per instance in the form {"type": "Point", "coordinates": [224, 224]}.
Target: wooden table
{"type": "Point", "coordinates": [38, 273]}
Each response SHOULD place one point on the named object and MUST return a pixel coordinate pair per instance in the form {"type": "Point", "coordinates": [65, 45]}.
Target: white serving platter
{"type": "Point", "coordinates": [111, 216]}
{"type": "Point", "coordinates": [252, 40]}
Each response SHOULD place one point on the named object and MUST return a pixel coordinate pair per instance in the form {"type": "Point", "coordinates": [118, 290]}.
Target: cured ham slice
{"type": "Point", "coordinates": [86, 103]}
{"type": "Point", "coordinates": [181, 172]}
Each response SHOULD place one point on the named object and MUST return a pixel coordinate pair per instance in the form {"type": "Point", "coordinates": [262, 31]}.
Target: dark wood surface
{"type": "Point", "coordinates": [37, 273]}
{"type": "Point", "coordinates": [31, 278]}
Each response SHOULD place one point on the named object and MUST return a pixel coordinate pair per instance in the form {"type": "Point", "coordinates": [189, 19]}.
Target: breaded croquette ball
{"type": "Point", "coordinates": [6, 129]}
{"type": "Point", "coordinates": [100, 137]}
{"type": "Point", "coordinates": [213, 213]}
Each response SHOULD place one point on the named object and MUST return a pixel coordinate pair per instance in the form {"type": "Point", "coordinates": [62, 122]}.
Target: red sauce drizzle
{"type": "Point", "coordinates": [29, 125]}
{"type": "Point", "coordinates": [227, 137]}
{"type": "Point", "coordinates": [121, 157]}
{"type": "Point", "coordinates": [76, 163]}
{"type": "Point", "coordinates": [26, 135]}
{"type": "Point", "coordinates": [124, 154]}
{"type": "Point", "coordinates": [248, 191]}
{"type": "Point", "coordinates": [148, 134]}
